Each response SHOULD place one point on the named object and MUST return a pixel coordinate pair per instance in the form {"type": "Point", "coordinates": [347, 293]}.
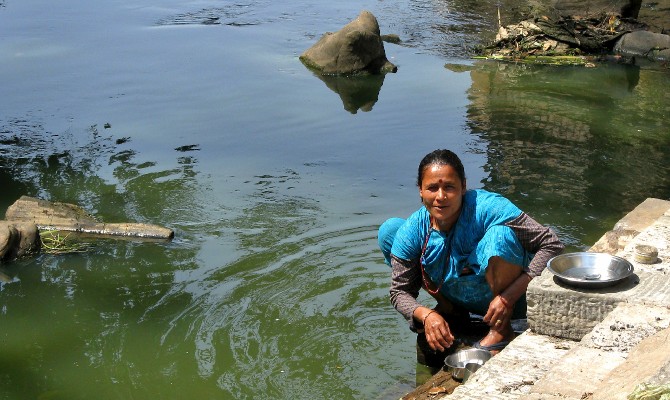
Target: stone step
{"type": "Point", "coordinates": [605, 364]}
{"type": "Point", "coordinates": [591, 344]}
{"type": "Point", "coordinates": [571, 313]}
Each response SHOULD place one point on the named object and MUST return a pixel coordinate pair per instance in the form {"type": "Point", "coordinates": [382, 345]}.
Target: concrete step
{"type": "Point", "coordinates": [628, 347]}
{"type": "Point", "coordinates": [591, 344]}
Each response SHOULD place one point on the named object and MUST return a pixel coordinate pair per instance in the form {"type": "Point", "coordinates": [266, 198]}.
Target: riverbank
{"type": "Point", "coordinates": [566, 32]}
{"type": "Point", "coordinates": [587, 343]}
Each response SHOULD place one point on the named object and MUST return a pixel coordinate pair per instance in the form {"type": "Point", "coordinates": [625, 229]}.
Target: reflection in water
{"type": "Point", "coordinates": [356, 92]}
{"type": "Point", "coordinates": [71, 166]}
{"type": "Point", "coordinates": [568, 137]}
{"type": "Point", "coordinates": [450, 27]}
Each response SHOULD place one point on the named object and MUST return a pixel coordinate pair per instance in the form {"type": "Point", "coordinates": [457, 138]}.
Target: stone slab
{"type": "Point", "coordinates": [625, 327]}
{"type": "Point", "coordinates": [571, 313]}
{"type": "Point", "coordinates": [568, 313]}
{"type": "Point", "coordinates": [535, 367]}
{"type": "Point", "coordinates": [559, 310]}
{"type": "Point", "coordinates": [513, 372]}
{"type": "Point", "coordinates": [644, 362]}
{"type": "Point", "coordinates": [645, 214]}
{"type": "Point", "coordinates": [543, 396]}
{"type": "Point", "coordinates": [589, 366]}
{"type": "Point", "coordinates": [578, 373]}
{"type": "Point", "coordinates": [628, 227]}
{"type": "Point", "coordinates": [66, 217]}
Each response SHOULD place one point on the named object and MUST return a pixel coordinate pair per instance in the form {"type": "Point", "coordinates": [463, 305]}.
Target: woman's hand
{"type": "Point", "coordinates": [436, 329]}
{"type": "Point", "coordinates": [499, 312]}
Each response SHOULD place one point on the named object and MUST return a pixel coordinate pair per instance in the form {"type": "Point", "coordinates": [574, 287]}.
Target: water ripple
{"type": "Point", "coordinates": [300, 301]}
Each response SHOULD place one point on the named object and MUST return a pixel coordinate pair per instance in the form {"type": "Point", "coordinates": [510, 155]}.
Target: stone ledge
{"type": "Point", "coordinates": [631, 225]}
{"type": "Point", "coordinates": [649, 358]}
{"type": "Point", "coordinates": [566, 379]}
{"type": "Point", "coordinates": [608, 354]}
{"type": "Point", "coordinates": [558, 310]}
{"type": "Point", "coordinates": [604, 365]}
{"type": "Point", "coordinates": [513, 372]}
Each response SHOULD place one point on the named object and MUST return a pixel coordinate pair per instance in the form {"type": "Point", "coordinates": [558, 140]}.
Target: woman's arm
{"type": "Point", "coordinates": [405, 285]}
{"type": "Point", "coordinates": [538, 239]}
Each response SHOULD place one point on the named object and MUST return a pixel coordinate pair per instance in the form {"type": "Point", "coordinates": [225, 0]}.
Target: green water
{"type": "Point", "coordinates": [274, 184]}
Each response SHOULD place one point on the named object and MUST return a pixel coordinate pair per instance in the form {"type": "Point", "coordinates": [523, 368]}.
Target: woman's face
{"type": "Point", "coordinates": [442, 193]}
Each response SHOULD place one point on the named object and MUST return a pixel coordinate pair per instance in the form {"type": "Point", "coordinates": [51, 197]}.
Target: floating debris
{"type": "Point", "coordinates": [571, 40]}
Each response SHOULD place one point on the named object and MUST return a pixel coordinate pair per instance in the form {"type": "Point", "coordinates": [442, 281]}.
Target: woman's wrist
{"type": "Point", "coordinates": [505, 302]}
{"type": "Point", "coordinates": [509, 296]}
{"type": "Point", "coordinates": [425, 317]}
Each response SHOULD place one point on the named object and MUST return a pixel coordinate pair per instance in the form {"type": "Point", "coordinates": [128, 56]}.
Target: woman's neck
{"type": "Point", "coordinates": [443, 226]}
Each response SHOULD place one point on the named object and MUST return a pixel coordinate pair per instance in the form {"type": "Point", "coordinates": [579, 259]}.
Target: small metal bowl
{"type": "Point", "coordinates": [470, 368]}
{"type": "Point", "coordinates": [590, 270]}
{"type": "Point", "coordinates": [461, 361]}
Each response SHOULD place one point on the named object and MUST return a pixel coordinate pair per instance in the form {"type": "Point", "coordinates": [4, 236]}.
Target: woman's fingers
{"type": "Point", "coordinates": [438, 334]}
{"type": "Point", "coordinates": [438, 342]}
{"type": "Point", "coordinates": [496, 314]}
{"type": "Point", "coordinates": [489, 315]}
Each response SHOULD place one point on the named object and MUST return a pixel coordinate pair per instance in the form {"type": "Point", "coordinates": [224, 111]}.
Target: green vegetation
{"type": "Point", "coordinates": [54, 242]}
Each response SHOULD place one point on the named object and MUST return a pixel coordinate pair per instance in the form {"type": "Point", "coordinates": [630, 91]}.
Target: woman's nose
{"type": "Point", "coordinates": [441, 194]}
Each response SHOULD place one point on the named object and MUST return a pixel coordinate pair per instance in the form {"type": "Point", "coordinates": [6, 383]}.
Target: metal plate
{"type": "Point", "coordinates": [590, 270]}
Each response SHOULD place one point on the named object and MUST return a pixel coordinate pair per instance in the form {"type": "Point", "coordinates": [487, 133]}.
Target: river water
{"type": "Point", "coordinates": [199, 116]}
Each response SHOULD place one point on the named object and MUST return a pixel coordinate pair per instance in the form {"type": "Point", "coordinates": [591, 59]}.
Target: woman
{"type": "Point", "coordinates": [472, 250]}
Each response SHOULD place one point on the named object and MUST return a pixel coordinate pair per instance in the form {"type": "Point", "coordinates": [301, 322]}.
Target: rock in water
{"type": "Point", "coordinates": [356, 48]}
{"type": "Point", "coordinates": [18, 239]}
{"type": "Point", "coordinates": [7, 239]}
{"type": "Point", "coordinates": [72, 218]}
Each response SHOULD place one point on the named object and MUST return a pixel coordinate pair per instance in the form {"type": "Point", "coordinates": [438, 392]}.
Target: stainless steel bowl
{"type": "Point", "coordinates": [470, 368]}
{"type": "Point", "coordinates": [590, 270]}
{"type": "Point", "coordinates": [456, 363]}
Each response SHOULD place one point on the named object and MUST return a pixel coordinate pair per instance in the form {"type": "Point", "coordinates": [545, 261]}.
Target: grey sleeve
{"type": "Point", "coordinates": [405, 286]}
{"type": "Point", "coordinates": [538, 239]}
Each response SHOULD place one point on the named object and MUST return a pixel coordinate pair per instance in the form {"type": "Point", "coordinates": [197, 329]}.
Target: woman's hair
{"type": "Point", "coordinates": [441, 157]}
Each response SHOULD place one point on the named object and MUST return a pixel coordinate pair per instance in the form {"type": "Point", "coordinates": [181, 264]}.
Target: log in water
{"type": "Point", "coordinates": [71, 218]}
